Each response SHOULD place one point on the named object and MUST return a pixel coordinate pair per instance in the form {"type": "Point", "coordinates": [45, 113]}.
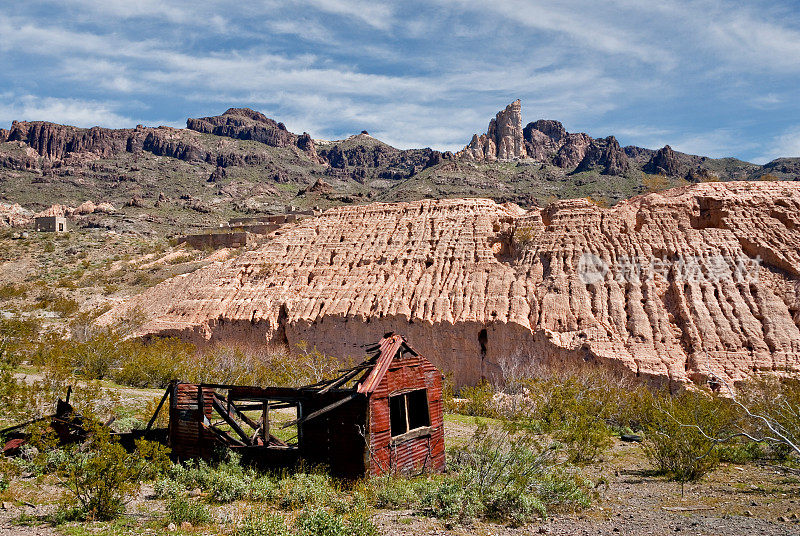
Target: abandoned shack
{"type": "Point", "coordinates": [381, 416]}
{"type": "Point", "coordinates": [50, 224]}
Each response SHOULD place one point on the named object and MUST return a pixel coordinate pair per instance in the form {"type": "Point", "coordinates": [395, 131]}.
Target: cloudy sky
{"type": "Point", "coordinates": [718, 78]}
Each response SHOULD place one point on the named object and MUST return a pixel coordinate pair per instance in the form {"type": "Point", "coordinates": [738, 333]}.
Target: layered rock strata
{"type": "Point", "coordinates": [675, 286]}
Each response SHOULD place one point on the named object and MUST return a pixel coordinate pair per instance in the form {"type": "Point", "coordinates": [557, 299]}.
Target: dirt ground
{"type": "Point", "coordinates": [733, 500]}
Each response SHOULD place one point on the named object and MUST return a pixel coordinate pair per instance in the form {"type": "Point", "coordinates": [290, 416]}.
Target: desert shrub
{"type": "Point", "coordinates": [166, 487]}
{"type": "Point", "coordinates": [506, 475]}
{"type": "Point", "coordinates": [100, 475]}
{"type": "Point", "coordinates": [359, 521]}
{"type": "Point", "coordinates": [393, 492]}
{"type": "Point", "coordinates": [262, 489]}
{"type": "Point", "coordinates": [574, 411]}
{"type": "Point", "coordinates": [227, 486]}
{"type": "Point", "coordinates": [771, 415]}
{"type": "Point", "coordinates": [476, 400]}
{"type": "Point", "coordinates": [304, 489]}
{"type": "Point", "coordinates": [58, 304]}
{"type": "Point", "coordinates": [10, 290]}
{"type": "Point", "coordinates": [524, 236]}
{"type": "Point", "coordinates": [318, 522]}
{"type": "Point", "coordinates": [681, 434]}
{"type": "Point", "coordinates": [584, 436]}
{"type": "Point", "coordinates": [154, 364]}
{"type": "Point", "coordinates": [17, 339]}
{"type": "Point", "coordinates": [181, 509]}
{"type": "Point", "coordinates": [452, 500]}
{"type": "Point", "coordinates": [655, 183]}
{"type": "Point", "coordinates": [259, 523]}
{"type": "Point", "coordinates": [321, 522]}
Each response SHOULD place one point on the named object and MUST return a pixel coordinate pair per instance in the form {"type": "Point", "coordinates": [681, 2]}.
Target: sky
{"type": "Point", "coordinates": [716, 78]}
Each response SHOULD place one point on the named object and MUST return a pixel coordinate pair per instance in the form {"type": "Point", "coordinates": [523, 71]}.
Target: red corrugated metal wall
{"type": "Point", "coordinates": [426, 453]}
{"type": "Point", "coordinates": [186, 435]}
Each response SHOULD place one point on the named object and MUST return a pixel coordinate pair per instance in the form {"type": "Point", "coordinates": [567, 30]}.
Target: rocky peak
{"type": "Point", "coordinates": [550, 128]}
{"type": "Point", "coordinates": [548, 141]}
{"type": "Point", "coordinates": [249, 114]}
{"type": "Point", "coordinates": [503, 139]}
{"type": "Point", "coordinates": [56, 141]}
{"type": "Point", "coordinates": [247, 124]}
{"type": "Point", "coordinates": [664, 162]}
{"type": "Point", "coordinates": [606, 153]}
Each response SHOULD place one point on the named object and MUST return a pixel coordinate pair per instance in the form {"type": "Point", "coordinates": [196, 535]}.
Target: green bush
{"type": "Point", "coordinates": [476, 400]}
{"type": "Point", "coordinates": [262, 489]}
{"type": "Point", "coordinates": [260, 523]}
{"type": "Point", "coordinates": [393, 492]}
{"type": "Point", "coordinates": [305, 489]}
{"type": "Point", "coordinates": [321, 522]}
{"type": "Point", "coordinates": [10, 290]}
{"type": "Point", "coordinates": [682, 431]}
{"type": "Point", "coordinates": [507, 475]}
{"type": "Point", "coordinates": [182, 509]}
{"type": "Point", "coordinates": [168, 488]}
{"type": "Point", "coordinates": [584, 436]}
{"type": "Point", "coordinates": [100, 475]}
{"type": "Point", "coordinates": [228, 486]}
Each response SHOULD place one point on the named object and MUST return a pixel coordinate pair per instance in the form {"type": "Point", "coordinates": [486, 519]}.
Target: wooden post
{"type": "Point", "coordinates": [265, 422]}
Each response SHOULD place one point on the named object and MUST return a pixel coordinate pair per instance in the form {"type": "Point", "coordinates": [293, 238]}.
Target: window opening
{"type": "Point", "coordinates": [409, 411]}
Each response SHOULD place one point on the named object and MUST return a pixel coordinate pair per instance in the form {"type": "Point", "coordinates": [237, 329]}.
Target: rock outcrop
{"type": "Point", "coordinates": [13, 215]}
{"type": "Point", "coordinates": [503, 139]}
{"type": "Point", "coordinates": [362, 157]}
{"type": "Point", "coordinates": [58, 142]}
{"type": "Point", "coordinates": [544, 140]}
{"type": "Point", "coordinates": [548, 141]}
{"type": "Point", "coordinates": [664, 162]}
{"type": "Point", "coordinates": [674, 286]}
{"type": "Point", "coordinates": [247, 124]}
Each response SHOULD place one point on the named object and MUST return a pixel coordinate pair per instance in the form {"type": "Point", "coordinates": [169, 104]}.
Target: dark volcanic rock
{"type": "Point", "coordinates": [247, 124]}
{"type": "Point", "coordinates": [573, 150]}
{"type": "Point", "coordinates": [606, 153]}
{"type": "Point", "coordinates": [664, 162]}
{"type": "Point", "coordinates": [550, 128]}
{"type": "Point", "coordinates": [362, 157]}
{"type": "Point", "coordinates": [56, 141]}
{"type": "Point", "coordinates": [218, 174]}
{"type": "Point", "coordinates": [548, 141]}
{"type": "Point", "coordinates": [160, 143]}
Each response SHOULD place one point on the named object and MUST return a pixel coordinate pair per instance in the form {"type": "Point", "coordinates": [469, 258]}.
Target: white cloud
{"type": "Point", "coordinates": [373, 13]}
{"type": "Point", "coordinates": [718, 143]}
{"type": "Point", "coordinates": [74, 112]}
{"type": "Point", "coordinates": [785, 144]}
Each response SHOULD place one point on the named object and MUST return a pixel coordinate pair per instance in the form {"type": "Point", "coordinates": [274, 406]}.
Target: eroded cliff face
{"type": "Point", "coordinates": [666, 286]}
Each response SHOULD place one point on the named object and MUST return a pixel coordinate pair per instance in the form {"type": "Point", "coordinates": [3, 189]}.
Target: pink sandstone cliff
{"type": "Point", "coordinates": [665, 285]}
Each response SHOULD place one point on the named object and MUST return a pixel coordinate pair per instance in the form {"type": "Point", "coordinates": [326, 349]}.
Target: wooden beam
{"type": "Point", "coordinates": [235, 411]}
{"type": "Point", "coordinates": [228, 418]}
{"type": "Point", "coordinates": [155, 413]}
{"type": "Point", "coordinates": [223, 435]}
{"type": "Point", "coordinates": [322, 411]}
{"type": "Point", "coordinates": [341, 380]}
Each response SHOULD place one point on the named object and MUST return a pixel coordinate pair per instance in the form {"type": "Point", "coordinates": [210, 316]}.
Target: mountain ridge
{"type": "Point", "coordinates": [242, 162]}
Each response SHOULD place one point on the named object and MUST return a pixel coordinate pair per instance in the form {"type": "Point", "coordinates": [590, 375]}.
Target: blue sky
{"type": "Point", "coordinates": [717, 78]}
